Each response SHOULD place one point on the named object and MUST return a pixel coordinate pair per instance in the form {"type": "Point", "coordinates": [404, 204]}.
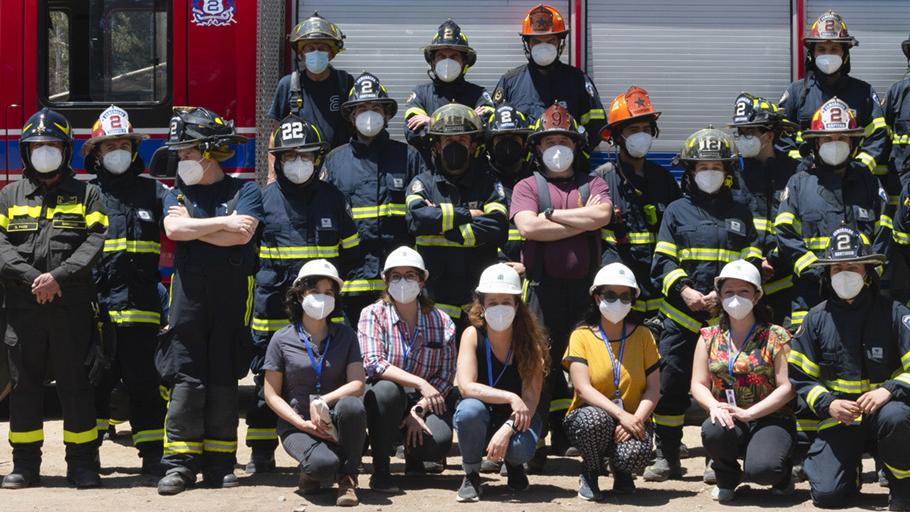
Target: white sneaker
{"type": "Point", "coordinates": [722, 495]}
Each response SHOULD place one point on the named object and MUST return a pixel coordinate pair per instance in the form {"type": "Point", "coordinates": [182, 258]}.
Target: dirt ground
{"type": "Point", "coordinates": [125, 490]}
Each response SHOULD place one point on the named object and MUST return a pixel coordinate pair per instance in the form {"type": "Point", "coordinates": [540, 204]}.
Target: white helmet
{"type": "Point", "coordinates": [320, 268]}
{"type": "Point", "coordinates": [615, 274]}
{"type": "Point", "coordinates": [742, 270]}
{"type": "Point", "coordinates": [499, 278]}
{"type": "Point", "coordinates": [404, 256]}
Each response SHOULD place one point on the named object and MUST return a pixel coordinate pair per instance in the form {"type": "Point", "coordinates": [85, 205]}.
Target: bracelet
{"type": "Point", "coordinates": [511, 425]}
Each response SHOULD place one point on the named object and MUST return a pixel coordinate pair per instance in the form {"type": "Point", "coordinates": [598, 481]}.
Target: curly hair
{"type": "Point", "coordinates": [293, 299]}
{"type": "Point", "coordinates": [529, 338]}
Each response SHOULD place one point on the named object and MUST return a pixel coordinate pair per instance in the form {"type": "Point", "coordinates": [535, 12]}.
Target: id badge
{"type": "Point", "coordinates": [618, 401]}
{"type": "Point", "coordinates": [731, 397]}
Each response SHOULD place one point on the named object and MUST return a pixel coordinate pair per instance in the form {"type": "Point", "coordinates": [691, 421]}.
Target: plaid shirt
{"type": "Point", "coordinates": [384, 337]}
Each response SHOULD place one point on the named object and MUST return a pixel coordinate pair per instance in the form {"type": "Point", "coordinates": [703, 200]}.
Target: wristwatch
{"type": "Point", "coordinates": [548, 213]}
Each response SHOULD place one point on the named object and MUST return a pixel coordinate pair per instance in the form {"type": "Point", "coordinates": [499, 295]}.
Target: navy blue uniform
{"type": "Point", "coordinates": [321, 103]}
{"type": "Point", "coordinates": [427, 97]}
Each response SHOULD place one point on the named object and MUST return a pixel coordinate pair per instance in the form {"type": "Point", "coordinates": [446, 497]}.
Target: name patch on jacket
{"type": "Point", "coordinates": [736, 226]}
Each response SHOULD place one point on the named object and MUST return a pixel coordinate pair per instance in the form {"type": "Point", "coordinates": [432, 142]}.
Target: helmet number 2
{"type": "Point", "coordinates": [842, 243]}
{"type": "Point", "coordinates": [505, 116]}
{"type": "Point", "coordinates": [741, 109]}
{"type": "Point", "coordinates": [292, 130]}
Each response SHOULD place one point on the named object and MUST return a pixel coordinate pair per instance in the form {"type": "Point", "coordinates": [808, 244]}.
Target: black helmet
{"type": "Point", "coordinates": [202, 128]}
{"type": "Point", "coordinates": [368, 89]}
{"type": "Point", "coordinates": [847, 246]}
{"type": "Point", "coordinates": [449, 35]}
{"type": "Point", "coordinates": [708, 144]}
{"type": "Point", "coordinates": [507, 120]}
{"type": "Point", "coordinates": [317, 28]}
{"type": "Point", "coordinates": [905, 47]}
{"type": "Point", "coordinates": [296, 134]}
{"type": "Point", "coordinates": [752, 111]}
{"type": "Point", "coordinates": [46, 125]}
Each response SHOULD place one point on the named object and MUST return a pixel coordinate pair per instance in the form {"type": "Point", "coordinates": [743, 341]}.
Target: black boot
{"type": "Point", "coordinates": [21, 479]}
{"type": "Point", "coordinates": [173, 483]}
{"type": "Point", "coordinates": [83, 478]}
{"type": "Point", "coordinates": [261, 461]}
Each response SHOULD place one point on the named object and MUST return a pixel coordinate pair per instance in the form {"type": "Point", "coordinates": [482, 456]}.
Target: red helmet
{"type": "Point", "coordinates": [556, 120]}
{"type": "Point", "coordinates": [829, 27]}
{"type": "Point", "coordinates": [834, 117]}
{"type": "Point", "coordinates": [543, 20]}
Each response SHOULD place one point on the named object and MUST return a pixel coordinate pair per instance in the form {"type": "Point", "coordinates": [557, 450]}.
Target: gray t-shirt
{"type": "Point", "coordinates": [288, 354]}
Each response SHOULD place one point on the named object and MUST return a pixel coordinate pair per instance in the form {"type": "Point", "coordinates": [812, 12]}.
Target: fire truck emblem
{"type": "Point", "coordinates": [214, 13]}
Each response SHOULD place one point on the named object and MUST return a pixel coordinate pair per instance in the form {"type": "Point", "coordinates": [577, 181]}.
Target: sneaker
{"type": "Point", "coordinates": [490, 466]}
{"type": "Point", "coordinates": [518, 479]}
{"type": "Point", "coordinates": [172, 484]}
{"type": "Point", "coordinates": [19, 479]}
{"type": "Point", "coordinates": [588, 489]}
{"type": "Point", "coordinates": [262, 461]}
{"type": "Point", "coordinates": [722, 495]}
{"type": "Point", "coordinates": [347, 492]}
{"type": "Point", "coordinates": [662, 470]}
{"type": "Point", "coordinates": [799, 474]}
{"type": "Point", "coordinates": [83, 478]}
{"type": "Point", "coordinates": [307, 485]}
{"type": "Point", "coordinates": [572, 452]}
{"type": "Point", "coordinates": [435, 467]}
{"type": "Point", "coordinates": [470, 489]}
{"type": "Point", "coordinates": [623, 483]}
{"type": "Point", "coordinates": [382, 482]}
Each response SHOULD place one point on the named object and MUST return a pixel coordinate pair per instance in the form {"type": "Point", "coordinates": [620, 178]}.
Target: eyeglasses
{"type": "Point", "coordinates": [410, 276]}
{"type": "Point", "coordinates": [625, 298]}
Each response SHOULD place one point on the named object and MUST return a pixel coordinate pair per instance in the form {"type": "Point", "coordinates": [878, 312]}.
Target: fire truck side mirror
{"type": "Point", "coordinates": [163, 163]}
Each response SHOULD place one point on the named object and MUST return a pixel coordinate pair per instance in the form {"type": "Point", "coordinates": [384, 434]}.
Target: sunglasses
{"type": "Point", "coordinates": [625, 298]}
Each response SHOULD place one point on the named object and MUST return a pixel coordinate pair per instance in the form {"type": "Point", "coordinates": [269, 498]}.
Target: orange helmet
{"type": "Point", "coordinates": [834, 117]}
{"type": "Point", "coordinates": [632, 105]}
{"type": "Point", "coordinates": [556, 120]}
{"type": "Point", "coordinates": [543, 20]}
{"type": "Point", "coordinates": [829, 27]}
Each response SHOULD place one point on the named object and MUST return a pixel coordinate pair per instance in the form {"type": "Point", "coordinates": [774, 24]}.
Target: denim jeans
{"type": "Point", "coordinates": [474, 425]}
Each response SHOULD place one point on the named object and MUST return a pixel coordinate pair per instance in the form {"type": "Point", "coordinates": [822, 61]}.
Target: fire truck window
{"type": "Point", "coordinates": [107, 51]}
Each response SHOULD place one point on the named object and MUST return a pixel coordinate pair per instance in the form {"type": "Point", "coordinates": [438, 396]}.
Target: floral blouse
{"type": "Point", "coordinates": [753, 371]}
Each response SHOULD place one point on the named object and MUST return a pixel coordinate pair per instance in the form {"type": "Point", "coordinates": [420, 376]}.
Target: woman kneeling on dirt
{"type": "Point", "coordinates": [739, 375]}
{"type": "Point", "coordinates": [502, 361]}
{"type": "Point", "coordinates": [314, 379]}
{"type": "Point", "coordinates": [613, 365]}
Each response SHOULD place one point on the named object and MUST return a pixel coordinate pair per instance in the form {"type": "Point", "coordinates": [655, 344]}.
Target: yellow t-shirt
{"type": "Point", "coordinates": [639, 359]}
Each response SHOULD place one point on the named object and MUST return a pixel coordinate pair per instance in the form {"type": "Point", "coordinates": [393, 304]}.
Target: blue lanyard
{"type": "Point", "coordinates": [732, 360]}
{"type": "Point", "coordinates": [319, 364]}
{"type": "Point", "coordinates": [617, 365]}
{"type": "Point", "coordinates": [406, 348]}
{"type": "Point", "coordinates": [508, 362]}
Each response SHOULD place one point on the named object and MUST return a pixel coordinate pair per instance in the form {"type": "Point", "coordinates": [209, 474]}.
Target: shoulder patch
{"type": "Point", "coordinates": [590, 88]}
{"type": "Point", "coordinates": [785, 194]}
{"type": "Point", "coordinates": [416, 187]}
{"type": "Point", "coordinates": [784, 97]}
{"type": "Point", "coordinates": [906, 321]}
{"type": "Point", "coordinates": [411, 97]}
{"type": "Point", "coordinates": [499, 189]}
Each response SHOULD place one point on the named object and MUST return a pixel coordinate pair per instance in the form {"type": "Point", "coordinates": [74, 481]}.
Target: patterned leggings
{"type": "Point", "coordinates": [590, 429]}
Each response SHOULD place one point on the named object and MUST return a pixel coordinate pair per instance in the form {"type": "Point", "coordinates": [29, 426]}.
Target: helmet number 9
{"type": "Point", "coordinates": [843, 242]}
{"type": "Point", "coordinates": [292, 130]}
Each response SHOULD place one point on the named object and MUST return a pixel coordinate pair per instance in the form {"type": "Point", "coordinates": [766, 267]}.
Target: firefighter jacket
{"type": "Point", "coordinates": [803, 97]}
{"type": "Point", "coordinates": [531, 90]}
{"type": "Point", "coordinates": [373, 178]}
{"type": "Point", "coordinates": [455, 246]}
{"type": "Point", "coordinates": [427, 97]}
{"type": "Point", "coordinates": [817, 201]}
{"type": "Point", "coordinates": [843, 350]}
{"type": "Point", "coordinates": [639, 203]}
{"type": "Point", "coordinates": [510, 250]}
{"type": "Point", "coordinates": [698, 235]}
{"type": "Point", "coordinates": [897, 116]}
{"type": "Point", "coordinates": [126, 275]}
{"type": "Point", "coordinates": [301, 223]}
{"type": "Point", "coordinates": [59, 230]}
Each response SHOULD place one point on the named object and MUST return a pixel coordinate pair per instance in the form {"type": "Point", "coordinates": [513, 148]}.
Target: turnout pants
{"type": "Point", "coordinates": [135, 364]}
{"type": "Point", "coordinates": [261, 435]}
{"type": "Point", "coordinates": [51, 342]}
{"type": "Point", "coordinates": [833, 464]}
{"type": "Point", "coordinates": [677, 348]}
{"type": "Point", "coordinates": [201, 357]}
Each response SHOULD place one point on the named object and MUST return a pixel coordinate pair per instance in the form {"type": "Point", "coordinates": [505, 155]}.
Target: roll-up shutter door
{"type": "Point", "coordinates": [693, 57]}
{"type": "Point", "coordinates": [386, 37]}
{"type": "Point", "coordinates": [880, 26]}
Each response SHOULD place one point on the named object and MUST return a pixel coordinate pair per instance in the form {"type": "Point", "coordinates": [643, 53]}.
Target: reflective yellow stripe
{"type": "Point", "coordinates": [816, 243]}
{"type": "Point", "coordinates": [800, 360]}
{"type": "Point", "coordinates": [96, 218]}
{"type": "Point", "coordinates": [411, 198]}
{"type": "Point", "coordinates": [900, 139]}
{"type": "Point", "coordinates": [135, 316]}
{"type": "Point", "coordinates": [248, 314]}
{"type": "Point", "coordinates": [646, 306]}
{"type": "Point", "coordinates": [66, 209]}
{"type": "Point", "coordinates": [448, 216]}
{"type": "Point", "coordinates": [351, 241]}
{"type": "Point", "coordinates": [453, 311]}
{"type": "Point", "coordinates": [102, 423]}
{"type": "Point", "coordinates": [495, 207]}
{"type": "Point", "coordinates": [4, 221]}
{"type": "Point", "coordinates": [415, 111]}
{"type": "Point", "coordinates": [211, 445]}
{"type": "Point", "coordinates": [363, 285]}
{"type": "Point", "coordinates": [191, 447]}
{"type": "Point", "coordinates": [88, 436]}
{"type": "Point", "coordinates": [804, 425]}
{"type": "Point", "coordinates": [831, 422]}
{"type": "Point", "coordinates": [633, 238]}
{"type": "Point", "coordinates": [751, 252]}
{"type": "Point", "coordinates": [813, 396]}
{"type": "Point", "coordinates": [24, 211]}
{"type": "Point", "coordinates": [515, 235]}
{"type": "Point", "coordinates": [136, 246]}
{"type": "Point", "coordinates": [876, 124]}
{"type": "Point", "coordinates": [438, 241]}
{"type": "Point", "coordinates": [797, 317]}
{"type": "Point", "coordinates": [785, 218]}
{"type": "Point", "coordinates": [148, 436]}
{"type": "Point", "coordinates": [885, 221]}
{"type": "Point", "coordinates": [673, 276]}
{"type": "Point", "coordinates": [608, 236]}
{"type": "Point", "coordinates": [267, 324]}
{"type": "Point", "coordinates": [679, 317]}
{"type": "Point", "coordinates": [667, 248]}
{"type": "Point", "coordinates": [261, 434]}
{"type": "Point", "coordinates": [669, 420]}
{"type": "Point", "coordinates": [763, 225]}
{"type": "Point", "coordinates": [594, 113]}
{"type": "Point", "coordinates": [560, 404]}
{"type": "Point", "coordinates": [298, 252]}
{"type": "Point", "coordinates": [900, 474]}
{"type": "Point", "coordinates": [803, 262]}
{"type": "Point", "coordinates": [905, 361]}
{"type": "Point", "coordinates": [778, 285]}
{"type": "Point", "coordinates": [799, 137]}
{"type": "Point", "coordinates": [867, 159]}
{"type": "Point", "coordinates": [382, 210]}
{"type": "Point", "coordinates": [901, 237]}
{"type": "Point", "coordinates": [709, 254]}
{"type": "Point", "coordinates": [467, 232]}
{"type": "Point", "coordinates": [32, 436]}
{"type": "Point", "coordinates": [795, 154]}
{"type": "Point", "coordinates": [849, 386]}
